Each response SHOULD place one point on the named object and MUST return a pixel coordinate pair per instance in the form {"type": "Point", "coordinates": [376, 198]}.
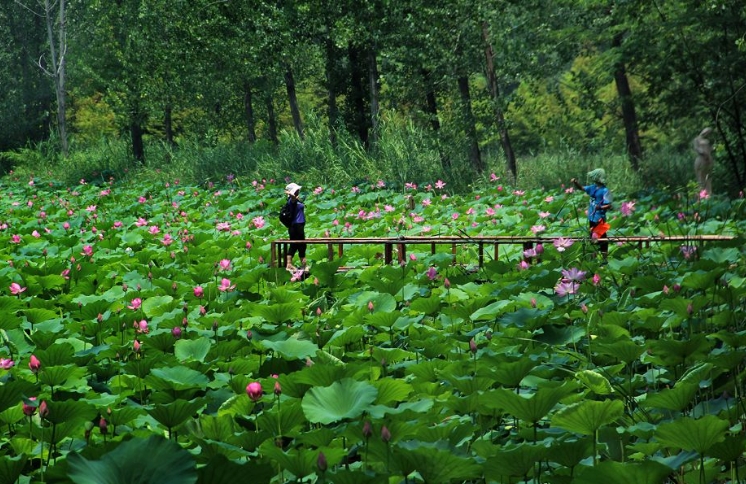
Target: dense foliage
{"type": "Point", "coordinates": [146, 339]}
{"type": "Point", "coordinates": [483, 83]}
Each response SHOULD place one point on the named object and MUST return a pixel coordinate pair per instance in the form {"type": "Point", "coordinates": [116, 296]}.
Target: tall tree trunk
{"type": "Point", "coordinates": [168, 125]}
{"type": "Point", "coordinates": [470, 127]}
{"type": "Point", "coordinates": [629, 116]}
{"type": "Point", "coordinates": [357, 94]}
{"type": "Point", "coordinates": [331, 90]}
{"type": "Point", "coordinates": [58, 72]}
{"type": "Point", "coordinates": [489, 55]}
{"type": "Point", "coordinates": [248, 107]}
{"type": "Point", "coordinates": [431, 109]}
{"type": "Point", "coordinates": [271, 118]}
{"type": "Point", "coordinates": [138, 147]}
{"type": "Point", "coordinates": [293, 100]}
{"type": "Point", "coordinates": [374, 86]}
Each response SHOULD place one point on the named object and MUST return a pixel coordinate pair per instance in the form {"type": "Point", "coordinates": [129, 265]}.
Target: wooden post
{"type": "Point", "coordinates": [388, 251]}
{"type": "Point", "coordinates": [330, 251]}
{"type": "Point", "coordinates": [272, 254]}
{"type": "Point", "coordinates": [402, 253]}
{"type": "Point", "coordinates": [481, 255]}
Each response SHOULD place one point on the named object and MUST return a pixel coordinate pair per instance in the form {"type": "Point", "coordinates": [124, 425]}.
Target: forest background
{"type": "Point", "coordinates": [531, 91]}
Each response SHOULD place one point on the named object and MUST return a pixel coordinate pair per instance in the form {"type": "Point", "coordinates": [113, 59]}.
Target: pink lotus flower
{"type": "Point", "coordinates": [561, 244]}
{"type": "Point", "coordinates": [16, 239]}
{"type": "Point", "coordinates": [141, 221]}
{"type": "Point", "coordinates": [565, 288]}
{"type": "Point", "coordinates": [199, 291]}
{"type": "Point", "coordinates": [167, 240]}
{"type": "Point", "coordinates": [574, 274]}
{"type": "Point", "coordinates": [154, 229]}
{"type": "Point", "coordinates": [440, 184]}
{"type": "Point", "coordinates": [34, 364]}
{"type": "Point", "coordinates": [596, 279]}
{"type": "Point", "coordinates": [136, 346]}
{"type": "Point", "coordinates": [258, 222]}
{"type": "Point", "coordinates": [627, 208]}
{"type": "Point", "coordinates": [432, 273]}
{"type": "Point", "coordinates": [135, 304]}
{"type": "Point", "coordinates": [16, 288]}
{"type": "Point", "coordinates": [225, 285]}
{"type": "Point", "coordinates": [6, 363]}
{"type": "Point", "coordinates": [538, 228]}
{"type": "Point", "coordinates": [29, 410]}
{"type": "Point", "coordinates": [142, 327]}
{"type": "Point", "coordinates": [254, 391]}
{"type": "Point", "coordinates": [224, 264]}
{"type": "Point", "coordinates": [370, 306]}
{"type": "Point", "coordinates": [176, 332]}
{"type": "Point", "coordinates": [87, 251]}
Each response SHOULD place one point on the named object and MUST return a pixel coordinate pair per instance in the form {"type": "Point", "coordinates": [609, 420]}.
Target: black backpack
{"type": "Point", "coordinates": [287, 215]}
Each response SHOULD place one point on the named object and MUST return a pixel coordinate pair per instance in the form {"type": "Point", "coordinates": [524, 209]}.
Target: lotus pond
{"type": "Point", "coordinates": [145, 338]}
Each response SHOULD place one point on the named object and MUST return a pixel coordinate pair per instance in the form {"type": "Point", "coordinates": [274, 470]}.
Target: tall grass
{"type": "Point", "coordinates": [402, 153]}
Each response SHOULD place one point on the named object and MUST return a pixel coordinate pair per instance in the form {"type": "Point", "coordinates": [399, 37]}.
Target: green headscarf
{"type": "Point", "coordinates": [597, 176]}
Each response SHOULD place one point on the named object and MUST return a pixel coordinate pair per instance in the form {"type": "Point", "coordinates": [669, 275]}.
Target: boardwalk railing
{"type": "Point", "coordinates": [279, 247]}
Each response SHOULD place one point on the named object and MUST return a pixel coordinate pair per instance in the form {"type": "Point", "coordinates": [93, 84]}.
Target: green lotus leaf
{"type": "Point", "coordinates": [624, 350]}
{"type": "Point", "coordinates": [436, 465]}
{"type": "Point", "coordinates": [176, 378]}
{"type": "Point", "coordinates": [419, 406]}
{"type": "Point", "coordinates": [515, 462]}
{"type": "Point", "coordinates": [173, 414]}
{"type": "Point", "coordinates": [344, 399]}
{"type": "Point", "coordinates": [570, 453]}
{"type": "Point", "coordinates": [56, 376]}
{"type": "Point", "coordinates": [533, 408]}
{"type": "Point", "coordinates": [150, 461]}
{"type": "Point", "coordinates": [11, 468]}
{"type": "Point", "coordinates": [221, 470]}
{"type": "Point", "coordinates": [283, 419]}
{"type": "Point", "coordinates": [346, 336]}
{"type": "Point", "coordinates": [677, 398]}
{"type": "Point", "coordinates": [698, 435]}
{"type": "Point", "coordinates": [731, 449]}
{"type": "Point", "coordinates": [11, 391]}
{"type": "Point", "coordinates": [588, 416]}
{"type": "Point", "coordinates": [192, 349]}
{"type": "Point", "coordinates": [157, 305]}
{"type": "Point", "coordinates": [279, 313]}
{"type": "Point", "coordinates": [612, 472]}
{"type": "Point", "coordinates": [390, 390]}
{"type": "Point", "coordinates": [560, 335]}
{"type": "Point", "coordinates": [70, 411]}
{"type": "Point", "coordinates": [491, 311]}
{"type": "Point", "coordinates": [382, 302]}
{"type": "Point", "coordinates": [426, 305]}
{"type": "Point", "coordinates": [510, 374]}
{"type": "Point", "coordinates": [382, 320]}
{"type": "Point", "coordinates": [301, 462]}
{"type": "Point", "coordinates": [595, 382]}
{"type": "Point", "coordinates": [39, 315]}
{"type": "Point", "coordinates": [293, 348]}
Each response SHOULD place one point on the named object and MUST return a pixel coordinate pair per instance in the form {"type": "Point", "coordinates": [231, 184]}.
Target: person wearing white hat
{"type": "Point", "coordinates": [296, 230]}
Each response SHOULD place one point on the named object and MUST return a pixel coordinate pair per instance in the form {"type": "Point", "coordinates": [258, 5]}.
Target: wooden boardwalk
{"type": "Point", "coordinates": [279, 247]}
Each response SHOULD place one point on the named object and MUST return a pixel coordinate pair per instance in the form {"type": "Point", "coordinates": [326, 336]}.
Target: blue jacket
{"type": "Point", "coordinates": [600, 195]}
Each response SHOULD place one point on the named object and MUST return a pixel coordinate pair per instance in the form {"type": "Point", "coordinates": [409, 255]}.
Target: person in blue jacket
{"type": "Point", "coordinates": [600, 202]}
{"type": "Point", "coordinates": [296, 231]}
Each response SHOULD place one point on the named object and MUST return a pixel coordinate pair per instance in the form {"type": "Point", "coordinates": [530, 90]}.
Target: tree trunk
{"type": "Point", "coordinates": [374, 86]}
{"type": "Point", "coordinates": [331, 90]}
{"type": "Point", "coordinates": [168, 125]}
{"type": "Point", "coordinates": [58, 71]}
{"type": "Point", "coordinates": [248, 107]}
{"type": "Point", "coordinates": [293, 100]}
{"type": "Point", "coordinates": [357, 101]}
{"type": "Point", "coordinates": [489, 55]}
{"type": "Point", "coordinates": [470, 127]}
{"type": "Point", "coordinates": [431, 109]}
{"type": "Point", "coordinates": [138, 147]}
{"type": "Point", "coordinates": [629, 116]}
{"type": "Point", "coordinates": [271, 119]}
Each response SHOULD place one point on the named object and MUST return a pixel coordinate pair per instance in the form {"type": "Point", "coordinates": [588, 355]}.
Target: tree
{"type": "Point", "coordinates": [54, 15]}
